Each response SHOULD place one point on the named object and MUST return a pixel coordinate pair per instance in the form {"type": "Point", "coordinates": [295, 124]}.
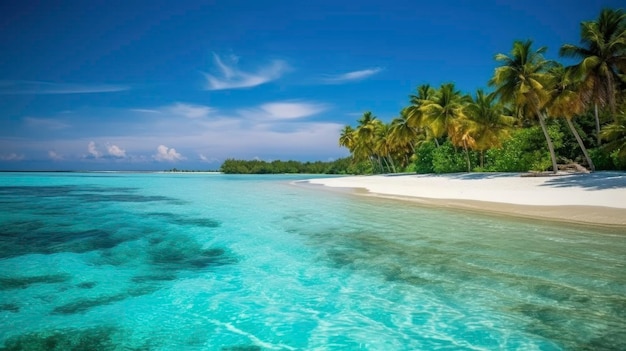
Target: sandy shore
{"type": "Point", "coordinates": [597, 198]}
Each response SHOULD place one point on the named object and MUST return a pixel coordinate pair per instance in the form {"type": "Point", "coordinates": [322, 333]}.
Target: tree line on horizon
{"type": "Point", "coordinates": [338, 166]}
{"type": "Point", "coordinates": [539, 113]}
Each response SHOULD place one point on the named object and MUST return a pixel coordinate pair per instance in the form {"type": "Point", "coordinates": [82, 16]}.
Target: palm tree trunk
{"type": "Point", "coordinates": [542, 122]}
{"type": "Point", "coordinates": [373, 164]}
{"type": "Point", "coordinates": [595, 107]}
{"type": "Point", "coordinates": [380, 164]}
{"type": "Point", "coordinates": [581, 144]}
{"type": "Point", "coordinates": [469, 165]}
{"type": "Point", "coordinates": [393, 166]}
{"type": "Point", "coordinates": [386, 163]}
{"type": "Point", "coordinates": [482, 158]}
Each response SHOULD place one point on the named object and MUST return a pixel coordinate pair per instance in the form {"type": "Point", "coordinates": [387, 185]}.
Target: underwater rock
{"type": "Point", "coordinates": [8, 283]}
{"type": "Point", "coordinates": [241, 348]}
{"type": "Point", "coordinates": [87, 285]}
{"type": "Point", "coordinates": [186, 221]}
{"type": "Point", "coordinates": [98, 338]}
{"type": "Point", "coordinates": [11, 307]}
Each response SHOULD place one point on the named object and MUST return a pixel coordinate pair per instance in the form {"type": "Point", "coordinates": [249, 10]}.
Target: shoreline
{"type": "Point", "coordinates": [597, 199]}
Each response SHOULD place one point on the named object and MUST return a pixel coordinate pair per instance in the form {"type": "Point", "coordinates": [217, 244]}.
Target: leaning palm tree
{"type": "Point", "coordinates": [523, 81]}
{"type": "Point", "coordinates": [603, 55]}
{"type": "Point", "coordinates": [491, 124]}
{"type": "Point", "coordinates": [565, 102]}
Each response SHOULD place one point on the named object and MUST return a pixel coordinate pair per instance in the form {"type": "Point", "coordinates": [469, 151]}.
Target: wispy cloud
{"type": "Point", "coordinates": [116, 151]}
{"type": "Point", "coordinates": [233, 78]}
{"type": "Point", "coordinates": [203, 158]}
{"type": "Point", "coordinates": [291, 110]}
{"type": "Point", "coordinates": [112, 151]}
{"type": "Point", "coordinates": [167, 154]}
{"type": "Point", "coordinates": [11, 157]}
{"type": "Point", "coordinates": [145, 110]}
{"type": "Point", "coordinates": [25, 87]}
{"type": "Point", "coordinates": [54, 155]}
{"type": "Point", "coordinates": [45, 123]}
{"type": "Point", "coordinates": [189, 110]}
{"type": "Point", "coordinates": [352, 76]}
{"type": "Point", "coordinates": [91, 148]}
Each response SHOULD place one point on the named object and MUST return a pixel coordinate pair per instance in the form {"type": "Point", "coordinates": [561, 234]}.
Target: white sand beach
{"type": "Point", "coordinates": [596, 198]}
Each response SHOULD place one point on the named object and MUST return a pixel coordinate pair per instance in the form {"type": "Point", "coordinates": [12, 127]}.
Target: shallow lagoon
{"type": "Point", "coordinates": [111, 261]}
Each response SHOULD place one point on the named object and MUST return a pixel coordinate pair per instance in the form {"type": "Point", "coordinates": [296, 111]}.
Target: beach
{"type": "Point", "coordinates": [597, 198]}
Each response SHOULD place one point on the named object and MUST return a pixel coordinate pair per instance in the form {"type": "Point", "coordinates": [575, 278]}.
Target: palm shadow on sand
{"type": "Point", "coordinates": [591, 181]}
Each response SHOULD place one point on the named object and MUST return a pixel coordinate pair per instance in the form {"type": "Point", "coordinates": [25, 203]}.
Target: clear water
{"type": "Point", "coordinates": [216, 262]}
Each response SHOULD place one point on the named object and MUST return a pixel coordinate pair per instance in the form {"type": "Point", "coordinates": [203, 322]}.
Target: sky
{"type": "Point", "coordinates": [156, 85]}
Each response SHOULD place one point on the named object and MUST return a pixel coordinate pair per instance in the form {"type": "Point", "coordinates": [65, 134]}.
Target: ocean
{"type": "Point", "coordinates": [175, 261]}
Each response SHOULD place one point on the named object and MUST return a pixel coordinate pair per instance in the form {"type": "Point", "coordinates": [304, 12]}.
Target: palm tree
{"type": "Point", "coordinates": [442, 108]}
{"type": "Point", "coordinates": [615, 134]}
{"type": "Point", "coordinates": [461, 133]}
{"type": "Point", "coordinates": [366, 137]}
{"type": "Point", "coordinates": [415, 117]}
{"type": "Point", "coordinates": [603, 55]}
{"type": "Point", "coordinates": [565, 102]}
{"type": "Point", "coordinates": [403, 133]}
{"type": "Point", "coordinates": [384, 145]}
{"type": "Point", "coordinates": [491, 123]}
{"type": "Point", "coordinates": [347, 138]}
{"type": "Point", "coordinates": [522, 80]}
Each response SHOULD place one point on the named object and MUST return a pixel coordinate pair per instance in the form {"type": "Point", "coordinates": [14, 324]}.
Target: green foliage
{"type": "Point", "coordinates": [424, 158]}
{"type": "Point", "coordinates": [601, 159]}
{"type": "Point", "coordinates": [605, 160]}
{"type": "Point", "coordinates": [524, 151]}
{"type": "Point", "coordinates": [448, 159]}
{"type": "Point", "coordinates": [363, 167]}
{"type": "Point", "coordinates": [619, 162]}
{"type": "Point", "coordinates": [443, 159]}
{"type": "Point", "coordinates": [339, 166]}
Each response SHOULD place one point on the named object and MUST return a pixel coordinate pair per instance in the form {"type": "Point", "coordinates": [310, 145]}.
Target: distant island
{"type": "Point", "coordinates": [338, 166]}
{"type": "Point", "coordinates": [235, 166]}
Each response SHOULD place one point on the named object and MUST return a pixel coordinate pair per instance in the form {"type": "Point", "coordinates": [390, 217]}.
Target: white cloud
{"type": "Point", "coordinates": [54, 155]}
{"type": "Point", "coordinates": [11, 157]}
{"type": "Point", "coordinates": [116, 151]}
{"type": "Point", "coordinates": [352, 76]}
{"type": "Point", "coordinates": [291, 110]}
{"type": "Point", "coordinates": [203, 158]}
{"type": "Point", "coordinates": [145, 110]}
{"type": "Point", "coordinates": [167, 154]}
{"type": "Point", "coordinates": [190, 111]}
{"type": "Point", "coordinates": [45, 123]}
{"type": "Point", "coordinates": [233, 78]}
{"type": "Point", "coordinates": [25, 87]}
{"type": "Point", "coordinates": [91, 148]}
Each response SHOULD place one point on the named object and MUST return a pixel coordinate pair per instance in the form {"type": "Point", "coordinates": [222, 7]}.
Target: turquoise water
{"type": "Point", "coordinates": [100, 261]}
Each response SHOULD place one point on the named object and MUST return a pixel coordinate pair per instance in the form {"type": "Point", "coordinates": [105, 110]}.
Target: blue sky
{"type": "Point", "coordinates": [152, 85]}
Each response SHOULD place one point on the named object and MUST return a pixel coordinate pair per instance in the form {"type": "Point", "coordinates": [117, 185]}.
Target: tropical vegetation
{"type": "Point", "coordinates": [538, 114]}
{"type": "Point", "coordinates": [339, 166]}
